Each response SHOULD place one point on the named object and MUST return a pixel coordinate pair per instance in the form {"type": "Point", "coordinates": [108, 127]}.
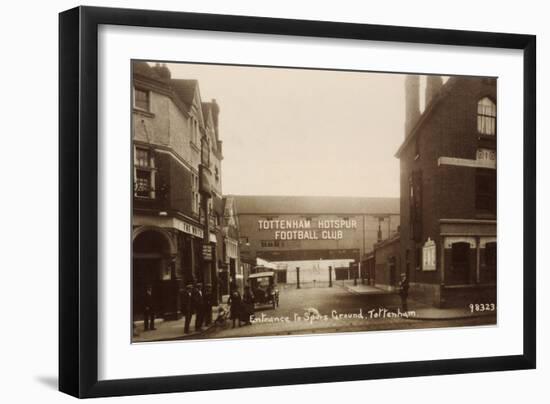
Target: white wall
{"type": "Point", "coordinates": [312, 271]}
{"type": "Point", "coordinates": [28, 348]}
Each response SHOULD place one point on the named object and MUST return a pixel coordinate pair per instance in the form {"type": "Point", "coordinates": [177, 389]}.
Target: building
{"type": "Point", "coordinates": [314, 233]}
{"type": "Point", "coordinates": [233, 271]}
{"type": "Point", "coordinates": [385, 263]}
{"type": "Point", "coordinates": [177, 233]}
{"type": "Point", "coordinates": [448, 191]}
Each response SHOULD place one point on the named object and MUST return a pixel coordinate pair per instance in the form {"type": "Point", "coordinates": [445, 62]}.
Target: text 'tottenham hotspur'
{"type": "Point", "coordinates": [327, 229]}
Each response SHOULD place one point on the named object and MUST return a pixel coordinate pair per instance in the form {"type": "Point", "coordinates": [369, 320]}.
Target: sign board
{"type": "Point", "coordinates": [487, 157]}
{"type": "Point", "coordinates": [307, 229]}
{"type": "Point", "coordinates": [207, 252]}
{"type": "Point", "coordinates": [428, 256]}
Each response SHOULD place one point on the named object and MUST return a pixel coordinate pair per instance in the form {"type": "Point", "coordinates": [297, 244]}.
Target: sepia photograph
{"type": "Point", "coordinates": [280, 201]}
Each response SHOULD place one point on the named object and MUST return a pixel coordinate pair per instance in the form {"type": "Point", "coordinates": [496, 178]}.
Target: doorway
{"type": "Point", "coordinates": [150, 266]}
{"type": "Point", "coordinates": [460, 262]}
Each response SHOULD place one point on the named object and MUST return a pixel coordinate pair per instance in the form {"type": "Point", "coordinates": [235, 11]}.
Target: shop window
{"type": "Point", "coordinates": [486, 191]}
{"type": "Point", "coordinates": [486, 117]}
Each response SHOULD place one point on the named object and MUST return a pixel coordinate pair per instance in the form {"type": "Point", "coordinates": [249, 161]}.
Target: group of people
{"type": "Point", "coordinates": [242, 307]}
{"type": "Point", "coordinates": [198, 301]}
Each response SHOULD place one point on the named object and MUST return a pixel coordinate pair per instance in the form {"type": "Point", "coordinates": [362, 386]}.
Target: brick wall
{"type": "Point", "coordinates": [448, 192]}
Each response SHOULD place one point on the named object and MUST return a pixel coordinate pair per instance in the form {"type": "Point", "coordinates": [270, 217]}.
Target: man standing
{"type": "Point", "coordinates": [198, 301]}
{"type": "Point", "coordinates": [235, 302]}
{"type": "Point", "coordinates": [404, 290]}
{"type": "Point", "coordinates": [148, 310]}
{"type": "Point", "coordinates": [187, 306]}
{"type": "Point", "coordinates": [208, 301]}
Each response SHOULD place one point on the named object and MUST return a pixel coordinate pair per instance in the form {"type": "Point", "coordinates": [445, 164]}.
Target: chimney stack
{"type": "Point", "coordinates": [412, 102]}
{"type": "Point", "coordinates": [433, 85]}
{"type": "Point", "coordinates": [215, 108]}
{"type": "Point", "coordinates": [162, 71]}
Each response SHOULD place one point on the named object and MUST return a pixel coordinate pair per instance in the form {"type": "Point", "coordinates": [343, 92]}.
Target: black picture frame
{"type": "Point", "coordinates": [78, 200]}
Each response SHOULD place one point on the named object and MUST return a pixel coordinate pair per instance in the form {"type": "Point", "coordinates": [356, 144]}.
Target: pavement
{"type": "Point", "coordinates": [423, 311]}
{"type": "Point", "coordinates": [361, 288]}
{"type": "Point", "coordinates": [169, 330]}
{"type": "Point", "coordinates": [343, 307]}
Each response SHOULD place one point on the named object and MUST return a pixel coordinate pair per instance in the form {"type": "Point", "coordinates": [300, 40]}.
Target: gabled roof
{"type": "Point", "coordinates": [185, 89]}
{"type": "Point", "coordinates": [314, 205]}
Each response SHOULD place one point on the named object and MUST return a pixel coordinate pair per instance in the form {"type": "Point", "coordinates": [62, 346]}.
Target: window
{"type": "Point", "coordinates": [195, 203]}
{"type": "Point", "coordinates": [144, 173]}
{"type": "Point", "coordinates": [141, 99]}
{"type": "Point", "coordinates": [272, 243]}
{"type": "Point", "coordinates": [205, 152]}
{"type": "Point", "coordinates": [194, 130]}
{"type": "Point", "coordinates": [486, 116]}
{"type": "Point", "coordinates": [486, 191]}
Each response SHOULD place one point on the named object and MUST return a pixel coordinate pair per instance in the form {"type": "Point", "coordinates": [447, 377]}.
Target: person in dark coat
{"type": "Point", "coordinates": [208, 302]}
{"type": "Point", "coordinates": [235, 302]}
{"type": "Point", "coordinates": [198, 301]}
{"type": "Point", "coordinates": [187, 306]}
{"type": "Point", "coordinates": [404, 291]}
{"type": "Point", "coordinates": [149, 310]}
{"type": "Point", "coordinates": [247, 309]}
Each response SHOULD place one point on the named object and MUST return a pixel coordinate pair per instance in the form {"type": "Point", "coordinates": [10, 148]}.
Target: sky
{"type": "Point", "coordinates": [305, 132]}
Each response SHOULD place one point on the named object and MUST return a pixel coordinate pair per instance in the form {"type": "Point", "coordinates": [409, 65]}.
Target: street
{"type": "Point", "coordinates": [337, 309]}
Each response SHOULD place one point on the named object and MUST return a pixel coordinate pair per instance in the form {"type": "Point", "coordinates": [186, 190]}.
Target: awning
{"type": "Point", "coordinates": [261, 275]}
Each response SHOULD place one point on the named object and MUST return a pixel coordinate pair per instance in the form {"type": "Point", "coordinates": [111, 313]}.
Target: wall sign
{"type": "Point", "coordinates": [428, 255]}
{"type": "Point", "coordinates": [326, 229]}
{"type": "Point", "coordinates": [207, 252]}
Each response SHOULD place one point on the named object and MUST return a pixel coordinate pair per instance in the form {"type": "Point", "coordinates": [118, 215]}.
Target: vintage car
{"type": "Point", "coordinates": [264, 287]}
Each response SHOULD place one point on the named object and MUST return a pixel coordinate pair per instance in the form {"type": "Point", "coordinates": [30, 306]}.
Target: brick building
{"type": "Point", "coordinates": [177, 202]}
{"type": "Point", "coordinates": [314, 233]}
{"type": "Point", "coordinates": [385, 263]}
{"type": "Point", "coordinates": [448, 190]}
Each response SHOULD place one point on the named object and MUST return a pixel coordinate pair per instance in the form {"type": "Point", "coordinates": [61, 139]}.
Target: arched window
{"type": "Point", "coordinates": [486, 116]}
